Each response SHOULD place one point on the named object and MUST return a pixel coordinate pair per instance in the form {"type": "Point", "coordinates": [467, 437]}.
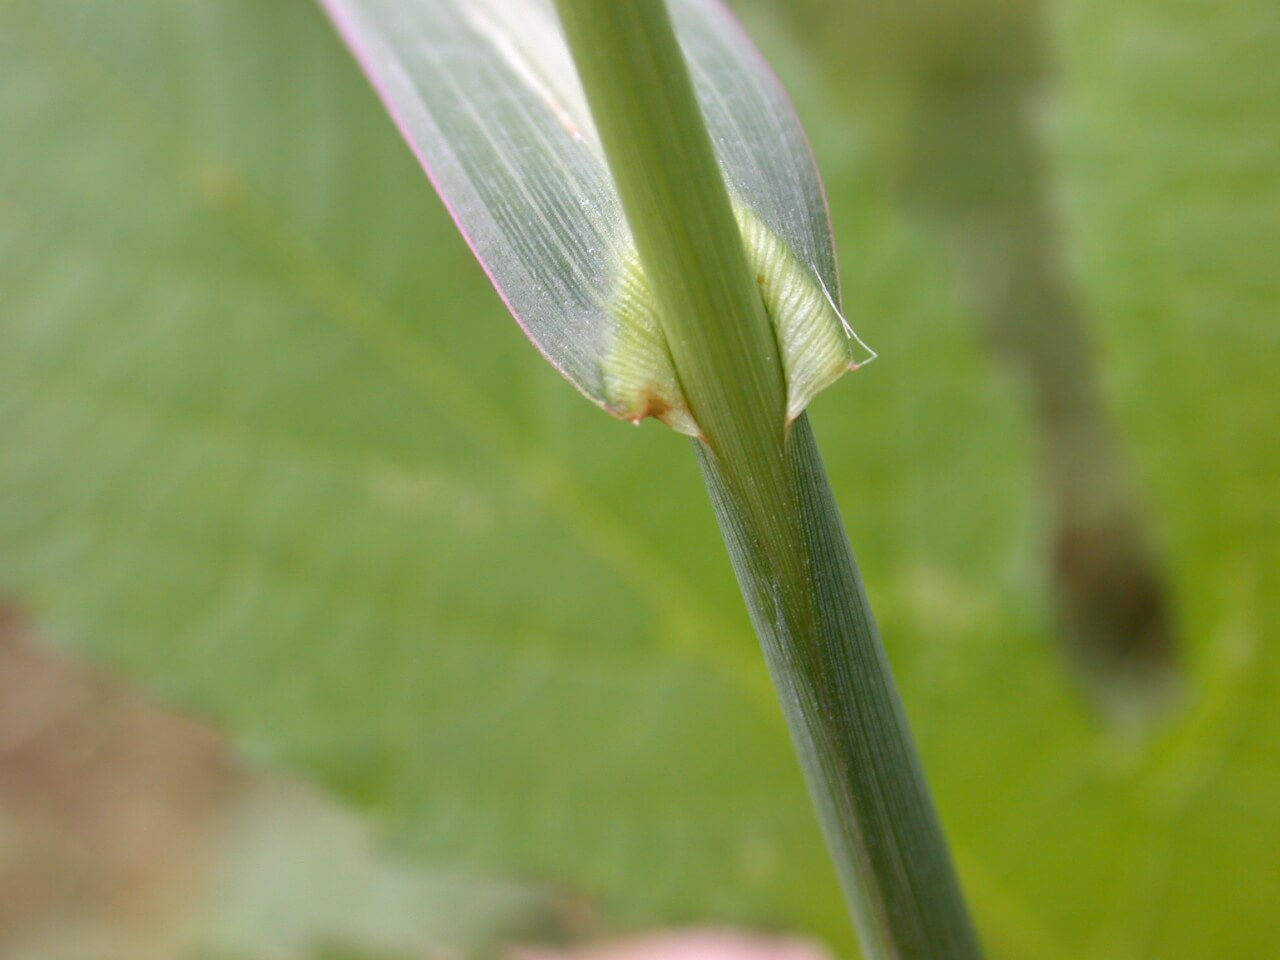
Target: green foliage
{"type": "Point", "coordinates": [1169, 131]}
{"type": "Point", "coordinates": [270, 444]}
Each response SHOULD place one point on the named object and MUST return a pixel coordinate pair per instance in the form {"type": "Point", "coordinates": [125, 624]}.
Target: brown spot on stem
{"type": "Point", "coordinates": [656, 406]}
{"type": "Point", "coordinates": [653, 405]}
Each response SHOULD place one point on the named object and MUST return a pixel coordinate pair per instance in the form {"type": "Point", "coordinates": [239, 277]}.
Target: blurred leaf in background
{"type": "Point", "coordinates": [270, 446]}
{"type": "Point", "coordinates": [952, 97]}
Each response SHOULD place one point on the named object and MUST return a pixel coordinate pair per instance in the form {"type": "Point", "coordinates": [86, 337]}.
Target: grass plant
{"type": "Point", "coordinates": [769, 489]}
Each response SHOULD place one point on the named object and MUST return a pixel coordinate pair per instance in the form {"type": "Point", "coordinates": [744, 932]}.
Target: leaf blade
{"type": "Point", "coordinates": [486, 95]}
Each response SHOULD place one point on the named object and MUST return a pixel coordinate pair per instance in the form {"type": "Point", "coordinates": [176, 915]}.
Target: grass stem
{"type": "Point", "coordinates": [769, 488]}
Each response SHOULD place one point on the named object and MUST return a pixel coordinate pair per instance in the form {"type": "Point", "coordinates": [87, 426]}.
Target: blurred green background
{"type": "Point", "coordinates": [272, 454]}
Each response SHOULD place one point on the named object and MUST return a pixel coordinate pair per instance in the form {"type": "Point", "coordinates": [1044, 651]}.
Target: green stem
{"type": "Point", "coordinates": [824, 653]}
{"type": "Point", "coordinates": [770, 491]}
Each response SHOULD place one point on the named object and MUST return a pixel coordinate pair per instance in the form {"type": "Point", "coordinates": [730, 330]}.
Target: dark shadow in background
{"type": "Point", "coordinates": [949, 89]}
